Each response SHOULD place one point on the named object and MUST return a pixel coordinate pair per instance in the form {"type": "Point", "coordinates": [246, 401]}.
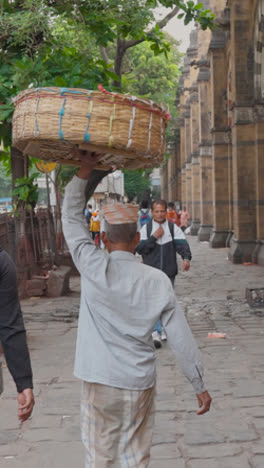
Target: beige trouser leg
{"type": "Point", "coordinates": [116, 426]}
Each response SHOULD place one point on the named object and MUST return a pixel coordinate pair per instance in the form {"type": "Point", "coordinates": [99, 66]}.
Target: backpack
{"type": "Point", "coordinates": [144, 218]}
{"type": "Point", "coordinates": [171, 228]}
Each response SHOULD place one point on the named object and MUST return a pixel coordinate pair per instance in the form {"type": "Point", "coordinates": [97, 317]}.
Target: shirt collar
{"type": "Point", "coordinates": [121, 255]}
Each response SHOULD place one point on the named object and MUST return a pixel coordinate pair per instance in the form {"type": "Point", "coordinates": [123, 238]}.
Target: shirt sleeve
{"type": "Point", "coordinates": [183, 344]}
{"type": "Point", "coordinates": [180, 243]}
{"type": "Point", "coordinates": [12, 330]}
{"type": "Point", "coordinates": [87, 258]}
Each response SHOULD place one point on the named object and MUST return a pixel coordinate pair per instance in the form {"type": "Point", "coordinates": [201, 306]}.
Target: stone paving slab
{"type": "Point", "coordinates": [212, 294]}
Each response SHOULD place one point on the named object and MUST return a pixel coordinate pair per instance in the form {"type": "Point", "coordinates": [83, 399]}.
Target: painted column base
{"type": "Point", "coordinates": [205, 232]}
{"type": "Point", "coordinates": [258, 253]}
{"type": "Point", "coordinates": [218, 239]}
{"type": "Point", "coordinates": [195, 226]}
{"type": "Point", "coordinates": [241, 251]}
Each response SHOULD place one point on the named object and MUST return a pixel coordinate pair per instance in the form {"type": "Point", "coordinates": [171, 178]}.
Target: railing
{"type": "Point", "coordinates": [32, 237]}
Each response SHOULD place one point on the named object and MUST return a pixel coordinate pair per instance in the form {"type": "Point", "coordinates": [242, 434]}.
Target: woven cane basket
{"type": "Point", "coordinates": [129, 132]}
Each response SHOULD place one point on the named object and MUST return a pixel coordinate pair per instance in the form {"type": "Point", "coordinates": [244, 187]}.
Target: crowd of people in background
{"type": "Point", "coordinates": [180, 218]}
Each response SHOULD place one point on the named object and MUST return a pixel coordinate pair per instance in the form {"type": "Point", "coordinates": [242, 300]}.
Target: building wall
{"type": "Point", "coordinates": [220, 152]}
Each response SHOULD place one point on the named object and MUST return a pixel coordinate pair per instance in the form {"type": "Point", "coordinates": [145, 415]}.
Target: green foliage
{"type": "Point", "coordinates": [55, 43]}
{"type": "Point", "coordinates": [153, 77]}
{"type": "Point", "coordinates": [5, 184]}
{"type": "Point", "coordinates": [137, 183]}
{"type": "Point", "coordinates": [26, 192]}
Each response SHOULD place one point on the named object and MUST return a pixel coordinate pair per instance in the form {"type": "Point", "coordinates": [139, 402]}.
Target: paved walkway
{"type": "Point", "coordinates": [230, 436]}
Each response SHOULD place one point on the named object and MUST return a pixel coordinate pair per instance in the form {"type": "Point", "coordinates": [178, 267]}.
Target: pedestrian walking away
{"type": "Point", "coordinates": [160, 240]}
{"type": "Point", "coordinates": [13, 337]}
{"type": "Point", "coordinates": [121, 300]}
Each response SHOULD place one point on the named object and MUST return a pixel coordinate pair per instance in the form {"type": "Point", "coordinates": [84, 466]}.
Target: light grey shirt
{"type": "Point", "coordinates": [121, 300]}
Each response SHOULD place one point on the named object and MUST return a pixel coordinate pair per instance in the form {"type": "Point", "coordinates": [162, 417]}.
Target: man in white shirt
{"type": "Point", "coordinates": [121, 300]}
{"type": "Point", "coordinates": [160, 240]}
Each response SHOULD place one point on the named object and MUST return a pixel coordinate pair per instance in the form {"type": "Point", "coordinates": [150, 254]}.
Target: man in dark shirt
{"type": "Point", "coordinates": [13, 337]}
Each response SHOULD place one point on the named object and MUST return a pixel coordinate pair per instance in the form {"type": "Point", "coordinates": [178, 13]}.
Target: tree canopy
{"type": "Point", "coordinates": [86, 42]}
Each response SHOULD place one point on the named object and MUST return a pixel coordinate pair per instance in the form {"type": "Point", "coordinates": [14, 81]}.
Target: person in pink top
{"type": "Point", "coordinates": [184, 218]}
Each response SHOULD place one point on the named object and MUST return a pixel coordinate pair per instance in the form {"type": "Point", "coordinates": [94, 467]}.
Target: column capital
{"type": "Point", "coordinates": [243, 115]}
{"type": "Point", "coordinates": [258, 113]}
{"type": "Point", "coordinates": [218, 40]}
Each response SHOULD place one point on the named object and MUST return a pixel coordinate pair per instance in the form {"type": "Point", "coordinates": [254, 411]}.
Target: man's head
{"type": "Point", "coordinates": [120, 227]}
{"type": "Point", "coordinates": [144, 205]}
{"type": "Point", "coordinates": [170, 206]}
{"type": "Point", "coordinates": [159, 210]}
{"type": "Point", "coordinates": [89, 206]}
{"type": "Point", "coordinates": [120, 236]}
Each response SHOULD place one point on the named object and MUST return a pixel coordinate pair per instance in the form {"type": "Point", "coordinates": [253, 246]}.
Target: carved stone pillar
{"type": "Point", "coordinates": [188, 167]}
{"type": "Point", "coordinates": [243, 242]}
{"type": "Point", "coordinates": [194, 104]}
{"type": "Point", "coordinates": [219, 140]}
{"type": "Point", "coordinates": [205, 148]}
{"type": "Point", "coordinates": [258, 255]}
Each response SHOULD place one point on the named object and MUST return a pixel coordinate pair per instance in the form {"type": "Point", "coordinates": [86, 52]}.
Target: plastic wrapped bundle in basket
{"type": "Point", "coordinates": [127, 131]}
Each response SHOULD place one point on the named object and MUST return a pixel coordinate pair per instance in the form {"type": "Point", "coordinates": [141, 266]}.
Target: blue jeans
{"type": "Point", "coordinates": [158, 326]}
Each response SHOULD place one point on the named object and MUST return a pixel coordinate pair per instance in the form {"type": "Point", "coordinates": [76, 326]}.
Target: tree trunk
{"type": "Point", "coordinates": [120, 52]}
{"type": "Point", "coordinates": [19, 165]}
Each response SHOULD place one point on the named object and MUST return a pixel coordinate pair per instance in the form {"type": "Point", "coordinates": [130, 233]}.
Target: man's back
{"type": "Point", "coordinates": [121, 301]}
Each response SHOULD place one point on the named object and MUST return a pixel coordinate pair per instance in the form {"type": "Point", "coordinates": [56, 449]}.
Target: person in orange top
{"type": "Point", "coordinates": [172, 215]}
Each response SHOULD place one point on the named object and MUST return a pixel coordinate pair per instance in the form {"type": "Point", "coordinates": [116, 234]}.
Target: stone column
{"type": "Point", "coordinates": [205, 147]}
{"type": "Point", "coordinates": [188, 171]}
{"type": "Point", "coordinates": [195, 161]}
{"type": "Point", "coordinates": [188, 166]}
{"type": "Point", "coordinates": [243, 134]}
{"type": "Point", "coordinates": [244, 188]}
{"type": "Point", "coordinates": [219, 140]}
{"type": "Point", "coordinates": [164, 182]}
{"type": "Point", "coordinates": [258, 254]}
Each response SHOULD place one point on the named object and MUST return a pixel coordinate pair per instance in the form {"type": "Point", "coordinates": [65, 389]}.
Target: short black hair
{"type": "Point", "coordinates": [144, 204]}
{"type": "Point", "coordinates": [159, 202]}
{"type": "Point", "coordinates": [89, 206]}
{"type": "Point", "coordinates": [171, 204]}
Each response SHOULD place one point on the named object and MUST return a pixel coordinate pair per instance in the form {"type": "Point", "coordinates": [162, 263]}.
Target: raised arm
{"type": "Point", "coordinates": [84, 253]}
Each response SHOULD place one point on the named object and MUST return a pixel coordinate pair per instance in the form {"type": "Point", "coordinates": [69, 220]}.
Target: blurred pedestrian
{"type": "Point", "coordinates": [95, 225]}
{"type": "Point", "coordinates": [88, 213]}
{"type": "Point", "coordinates": [184, 218]}
{"type": "Point", "coordinates": [172, 215]}
{"type": "Point", "coordinates": [13, 337]}
{"type": "Point", "coordinates": [144, 213]}
{"type": "Point", "coordinates": [160, 240]}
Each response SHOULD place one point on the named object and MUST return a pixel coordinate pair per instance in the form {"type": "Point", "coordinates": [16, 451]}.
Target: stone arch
{"type": "Point", "coordinates": [259, 52]}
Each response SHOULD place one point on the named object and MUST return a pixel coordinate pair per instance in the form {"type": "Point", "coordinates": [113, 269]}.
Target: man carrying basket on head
{"type": "Point", "coordinates": [121, 300]}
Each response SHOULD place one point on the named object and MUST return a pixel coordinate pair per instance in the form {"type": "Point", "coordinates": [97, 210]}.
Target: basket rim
{"type": "Point", "coordinates": [101, 95]}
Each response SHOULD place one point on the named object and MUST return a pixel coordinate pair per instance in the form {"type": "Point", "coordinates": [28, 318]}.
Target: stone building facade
{"type": "Point", "coordinates": [216, 167]}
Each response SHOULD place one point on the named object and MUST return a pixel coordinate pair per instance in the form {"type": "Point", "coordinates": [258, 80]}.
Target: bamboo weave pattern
{"type": "Point", "coordinates": [129, 132]}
